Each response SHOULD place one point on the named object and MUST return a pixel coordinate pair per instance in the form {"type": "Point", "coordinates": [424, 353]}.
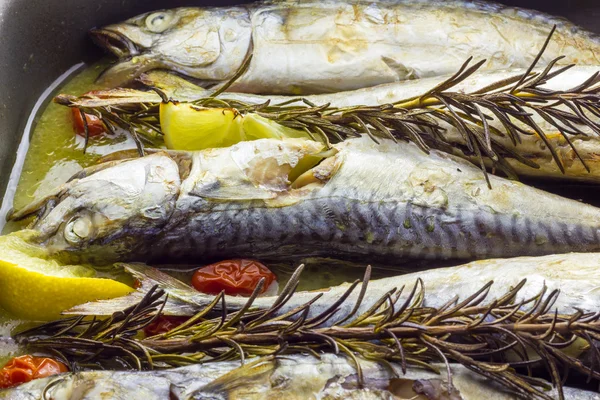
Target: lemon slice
{"type": "Point", "coordinates": [36, 288]}
{"type": "Point", "coordinates": [188, 127]}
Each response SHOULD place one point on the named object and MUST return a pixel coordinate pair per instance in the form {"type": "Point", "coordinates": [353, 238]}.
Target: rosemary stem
{"type": "Point", "coordinates": [359, 333]}
{"type": "Point", "coordinates": [418, 102]}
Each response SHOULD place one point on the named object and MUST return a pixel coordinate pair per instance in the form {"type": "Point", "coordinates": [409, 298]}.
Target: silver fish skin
{"type": "Point", "coordinates": [531, 146]}
{"type": "Point", "coordinates": [367, 201]}
{"type": "Point", "coordinates": [576, 275]}
{"type": "Point", "coordinates": [294, 377]}
{"type": "Point", "coordinates": [302, 47]}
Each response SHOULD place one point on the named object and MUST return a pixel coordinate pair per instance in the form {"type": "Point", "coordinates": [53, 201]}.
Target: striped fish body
{"type": "Point", "coordinates": [368, 201]}
{"type": "Point", "coordinates": [387, 202]}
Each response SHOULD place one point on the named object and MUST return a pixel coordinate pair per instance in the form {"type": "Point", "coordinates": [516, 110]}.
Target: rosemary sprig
{"type": "Point", "coordinates": [493, 339]}
{"type": "Point", "coordinates": [512, 103]}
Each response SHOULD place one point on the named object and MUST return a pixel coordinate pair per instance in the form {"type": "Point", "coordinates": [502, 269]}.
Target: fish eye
{"type": "Point", "coordinates": [158, 22]}
{"type": "Point", "coordinates": [78, 229]}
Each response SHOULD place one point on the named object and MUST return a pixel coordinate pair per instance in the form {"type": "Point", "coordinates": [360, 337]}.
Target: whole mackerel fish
{"type": "Point", "coordinates": [364, 201]}
{"type": "Point", "coordinates": [308, 46]}
{"type": "Point", "coordinates": [576, 275]}
{"type": "Point", "coordinates": [530, 146]}
{"type": "Point", "coordinates": [293, 377]}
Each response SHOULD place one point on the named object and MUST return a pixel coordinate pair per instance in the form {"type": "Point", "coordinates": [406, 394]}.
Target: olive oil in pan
{"type": "Point", "coordinates": [55, 153]}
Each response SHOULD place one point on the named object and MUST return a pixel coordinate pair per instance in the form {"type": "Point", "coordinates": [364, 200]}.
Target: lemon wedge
{"type": "Point", "coordinates": [189, 127]}
{"type": "Point", "coordinates": [34, 287]}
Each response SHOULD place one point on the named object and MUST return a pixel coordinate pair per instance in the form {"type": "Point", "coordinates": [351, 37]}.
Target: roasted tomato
{"type": "Point", "coordinates": [25, 368]}
{"type": "Point", "coordinates": [95, 125]}
{"type": "Point", "coordinates": [163, 324]}
{"type": "Point", "coordinates": [235, 277]}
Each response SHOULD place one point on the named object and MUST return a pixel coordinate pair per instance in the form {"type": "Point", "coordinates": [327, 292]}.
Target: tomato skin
{"type": "Point", "coordinates": [95, 125]}
{"type": "Point", "coordinates": [235, 277]}
{"type": "Point", "coordinates": [162, 324]}
{"type": "Point", "coordinates": [26, 368]}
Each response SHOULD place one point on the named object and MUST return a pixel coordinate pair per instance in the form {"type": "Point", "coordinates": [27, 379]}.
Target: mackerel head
{"type": "Point", "coordinates": [267, 199]}
{"type": "Point", "coordinates": [205, 43]}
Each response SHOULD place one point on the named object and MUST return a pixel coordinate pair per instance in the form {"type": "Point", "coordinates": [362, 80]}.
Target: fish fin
{"type": "Point", "coordinates": [106, 307]}
{"type": "Point", "coordinates": [178, 291]}
{"type": "Point", "coordinates": [109, 97]}
{"type": "Point", "coordinates": [127, 70]}
{"type": "Point", "coordinates": [402, 71]}
{"type": "Point", "coordinates": [179, 295]}
{"type": "Point", "coordinates": [174, 85]}
{"type": "Point", "coordinates": [212, 187]}
{"type": "Point", "coordinates": [163, 80]}
{"type": "Point", "coordinates": [111, 306]}
{"type": "Point", "coordinates": [240, 193]}
{"type": "Point", "coordinates": [239, 379]}
{"type": "Point", "coordinates": [423, 389]}
{"type": "Point", "coordinates": [40, 205]}
{"type": "Point", "coordinates": [149, 276]}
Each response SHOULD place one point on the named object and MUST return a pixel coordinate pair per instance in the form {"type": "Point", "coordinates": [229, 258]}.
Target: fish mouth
{"type": "Point", "coordinates": [114, 42]}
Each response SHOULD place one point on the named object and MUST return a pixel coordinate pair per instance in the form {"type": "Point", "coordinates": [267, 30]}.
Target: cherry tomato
{"type": "Point", "coordinates": [235, 277]}
{"type": "Point", "coordinates": [95, 125]}
{"type": "Point", "coordinates": [25, 368]}
{"type": "Point", "coordinates": [163, 324]}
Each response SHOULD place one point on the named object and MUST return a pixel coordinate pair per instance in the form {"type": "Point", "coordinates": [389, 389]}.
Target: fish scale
{"type": "Point", "coordinates": [378, 202]}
